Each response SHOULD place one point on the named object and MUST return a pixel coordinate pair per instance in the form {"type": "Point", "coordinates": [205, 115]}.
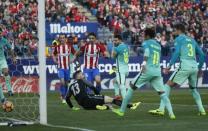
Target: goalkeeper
{"type": "Point", "coordinates": [77, 87]}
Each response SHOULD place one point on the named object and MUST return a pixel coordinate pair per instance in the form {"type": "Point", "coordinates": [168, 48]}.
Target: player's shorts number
{"type": "Point", "coordinates": [126, 57]}
{"type": "Point", "coordinates": [156, 56]}
{"type": "Point", "coordinates": [75, 89]}
{"type": "Point", "coordinates": [191, 51]}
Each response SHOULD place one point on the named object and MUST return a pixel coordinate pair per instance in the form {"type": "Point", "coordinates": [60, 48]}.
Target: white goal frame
{"type": "Point", "coordinates": [42, 74]}
{"type": "Point", "coordinates": [42, 63]}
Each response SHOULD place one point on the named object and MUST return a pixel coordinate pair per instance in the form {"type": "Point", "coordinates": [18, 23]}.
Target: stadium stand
{"type": "Point", "coordinates": [126, 17]}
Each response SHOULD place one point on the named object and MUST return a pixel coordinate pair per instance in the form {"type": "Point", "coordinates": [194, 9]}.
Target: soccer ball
{"type": "Point", "coordinates": [8, 106]}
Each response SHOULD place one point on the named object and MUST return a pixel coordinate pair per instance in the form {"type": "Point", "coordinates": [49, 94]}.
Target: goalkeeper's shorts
{"type": "Point", "coordinates": [92, 101]}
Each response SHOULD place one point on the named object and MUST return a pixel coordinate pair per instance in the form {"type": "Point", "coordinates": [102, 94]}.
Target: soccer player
{"type": "Point", "coordinates": [186, 49]}
{"type": "Point", "coordinates": [61, 56]}
{"type": "Point", "coordinates": [121, 54]}
{"type": "Point", "coordinates": [74, 65]}
{"type": "Point", "coordinates": [4, 67]}
{"type": "Point", "coordinates": [77, 88]}
{"type": "Point", "coordinates": [92, 51]}
{"type": "Point", "coordinates": [150, 72]}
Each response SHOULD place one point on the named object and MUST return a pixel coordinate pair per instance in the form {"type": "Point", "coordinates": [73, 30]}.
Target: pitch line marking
{"type": "Point", "coordinates": [68, 127]}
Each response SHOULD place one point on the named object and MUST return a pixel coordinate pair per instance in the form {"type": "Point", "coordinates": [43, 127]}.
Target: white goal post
{"type": "Point", "coordinates": [30, 102]}
{"type": "Point", "coordinates": [42, 62]}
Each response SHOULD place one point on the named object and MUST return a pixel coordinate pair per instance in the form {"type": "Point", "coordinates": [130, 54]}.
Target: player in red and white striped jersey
{"type": "Point", "coordinates": [61, 56]}
{"type": "Point", "coordinates": [92, 51]}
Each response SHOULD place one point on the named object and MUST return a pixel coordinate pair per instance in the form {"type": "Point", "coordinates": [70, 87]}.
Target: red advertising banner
{"type": "Point", "coordinates": [22, 84]}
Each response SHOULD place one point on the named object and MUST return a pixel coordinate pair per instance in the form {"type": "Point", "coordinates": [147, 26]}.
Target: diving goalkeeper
{"type": "Point", "coordinates": [77, 87]}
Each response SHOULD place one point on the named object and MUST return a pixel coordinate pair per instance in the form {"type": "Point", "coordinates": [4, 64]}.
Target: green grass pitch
{"type": "Point", "coordinates": [137, 120]}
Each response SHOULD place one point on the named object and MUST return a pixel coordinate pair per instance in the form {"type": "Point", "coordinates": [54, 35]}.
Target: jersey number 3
{"type": "Point", "coordinates": [190, 52]}
{"type": "Point", "coordinates": [75, 89]}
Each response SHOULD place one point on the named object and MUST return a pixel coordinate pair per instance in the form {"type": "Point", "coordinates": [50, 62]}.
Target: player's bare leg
{"type": "Point", "coordinates": [2, 98]}
{"type": "Point", "coordinates": [161, 110]}
{"type": "Point", "coordinates": [110, 100]}
{"type": "Point", "coordinates": [116, 89]}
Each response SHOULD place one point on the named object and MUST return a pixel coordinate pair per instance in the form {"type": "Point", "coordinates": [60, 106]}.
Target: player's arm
{"type": "Point", "coordinates": [78, 53]}
{"type": "Point", "coordinates": [114, 52]}
{"type": "Point", "coordinates": [10, 51]}
{"type": "Point", "coordinates": [175, 55]}
{"type": "Point", "coordinates": [106, 54]}
{"type": "Point", "coordinates": [68, 101]}
{"type": "Point", "coordinates": [146, 55]}
{"type": "Point", "coordinates": [201, 56]}
{"type": "Point", "coordinates": [55, 54]}
{"type": "Point", "coordinates": [103, 50]}
{"type": "Point", "coordinates": [91, 86]}
{"type": "Point", "coordinates": [73, 51]}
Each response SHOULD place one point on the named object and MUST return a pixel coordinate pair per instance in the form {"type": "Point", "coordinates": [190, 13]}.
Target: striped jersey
{"type": "Point", "coordinates": [63, 52]}
{"type": "Point", "coordinates": [91, 54]}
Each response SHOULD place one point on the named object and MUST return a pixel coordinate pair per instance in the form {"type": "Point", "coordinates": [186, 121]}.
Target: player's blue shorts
{"type": "Point", "coordinates": [64, 73]}
{"type": "Point", "coordinates": [91, 73]}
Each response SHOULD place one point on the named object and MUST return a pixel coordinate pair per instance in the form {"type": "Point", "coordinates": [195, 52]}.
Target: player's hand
{"type": "Point", "coordinates": [14, 60]}
{"type": "Point", "coordinates": [72, 60]}
{"type": "Point", "coordinates": [55, 60]}
{"type": "Point", "coordinates": [75, 108]}
{"type": "Point", "coordinates": [143, 69]}
{"type": "Point", "coordinates": [200, 73]}
{"type": "Point", "coordinates": [166, 70]}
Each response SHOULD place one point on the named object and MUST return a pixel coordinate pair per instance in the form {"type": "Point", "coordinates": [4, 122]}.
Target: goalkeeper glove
{"type": "Point", "coordinates": [75, 108]}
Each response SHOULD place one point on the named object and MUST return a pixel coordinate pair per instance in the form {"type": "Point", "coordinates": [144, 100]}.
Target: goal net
{"type": "Point", "coordinates": [24, 81]}
{"type": "Point", "coordinates": [29, 100]}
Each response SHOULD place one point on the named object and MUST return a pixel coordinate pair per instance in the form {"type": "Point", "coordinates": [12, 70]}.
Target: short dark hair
{"type": "Point", "coordinates": [180, 26]}
{"type": "Point", "coordinates": [92, 34]}
{"type": "Point", "coordinates": [150, 32]}
{"type": "Point", "coordinates": [76, 73]}
{"type": "Point", "coordinates": [118, 36]}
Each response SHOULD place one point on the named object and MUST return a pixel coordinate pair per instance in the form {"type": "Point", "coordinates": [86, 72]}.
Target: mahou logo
{"type": "Point", "coordinates": [22, 84]}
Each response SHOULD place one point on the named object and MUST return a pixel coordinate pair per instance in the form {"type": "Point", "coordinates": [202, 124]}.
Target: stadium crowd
{"type": "Point", "coordinates": [130, 17]}
{"type": "Point", "coordinates": [18, 20]}
{"type": "Point", "coordinates": [18, 23]}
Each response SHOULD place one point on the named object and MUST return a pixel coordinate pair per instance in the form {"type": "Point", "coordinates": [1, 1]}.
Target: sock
{"type": "Point", "coordinates": [167, 103]}
{"type": "Point", "coordinates": [63, 91]}
{"type": "Point", "coordinates": [98, 87]}
{"type": "Point", "coordinates": [2, 98]}
{"type": "Point", "coordinates": [126, 100]}
{"type": "Point", "coordinates": [119, 102]}
{"type": "Point", "coordinates": [116, 88]}
{"type": "Point", "coordinates": [8, 82]}
{"type": "Point", "coordinates": [197, 98]}
{"type": "Point", "coordinates": [123, 90]}
{"type": "Point", "coordinates": [167, 91]}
